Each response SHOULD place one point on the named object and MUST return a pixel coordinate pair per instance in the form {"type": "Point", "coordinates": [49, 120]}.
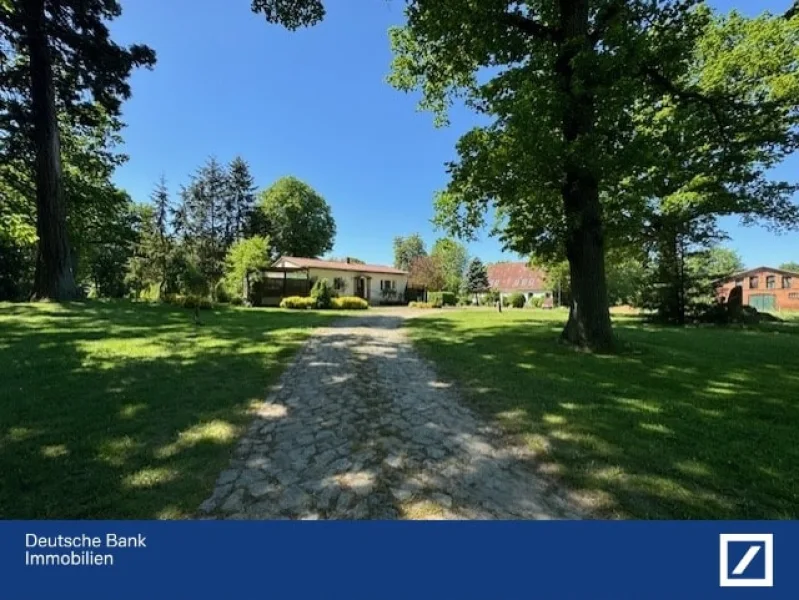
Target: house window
{"type": "Point", "coordinates": [771, 282]}
{"type": "Point", "coordinates": [754, 282]}
{"type": "Point", "coordinates": [787, 282]}
{"type": "Point", "coordinates": [388, 284]}
{"type": "Point", "coordinates": [793, 296]}
{"type": "Point", "coordinates": [739, 283]}
{"type": "Point", "coordinates": [339, 284]}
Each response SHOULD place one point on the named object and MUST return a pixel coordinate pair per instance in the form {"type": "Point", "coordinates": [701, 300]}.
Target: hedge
{"type": "Point", "coordinates": [188, 301]}
{"type": "Point", "coordinates": [350, 303]}
{"type": "Point", "coordinates": [445, 298]}
{"type": "Point", "coordinates": [298, 302]}
{"type": "Point", "coordinates": [423, 305]}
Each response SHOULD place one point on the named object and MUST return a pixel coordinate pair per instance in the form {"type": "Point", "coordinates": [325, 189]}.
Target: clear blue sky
{"type": "Point", "coordinates": [314, 104]}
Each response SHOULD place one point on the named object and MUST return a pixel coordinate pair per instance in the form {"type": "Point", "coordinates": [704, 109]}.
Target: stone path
{"type": "Point", "coordinates": [360, 427]}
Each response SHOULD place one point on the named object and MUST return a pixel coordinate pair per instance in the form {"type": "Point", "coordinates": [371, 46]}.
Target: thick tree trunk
{"type": "Point", "coordinates": [54, 278]}
{"type": "Point", "coordinates": [589, 316]}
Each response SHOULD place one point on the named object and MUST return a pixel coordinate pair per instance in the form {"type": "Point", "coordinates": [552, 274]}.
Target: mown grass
{"type": "Point", "coordinates": [698, 422]}
{"type": "Point", "coordinates": [120, 410]}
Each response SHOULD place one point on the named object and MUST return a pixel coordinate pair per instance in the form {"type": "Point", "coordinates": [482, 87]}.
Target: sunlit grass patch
{"type": "Point", "coordinates": [698, 422]}
{"type": "Point", "coordinates": [123, 410]}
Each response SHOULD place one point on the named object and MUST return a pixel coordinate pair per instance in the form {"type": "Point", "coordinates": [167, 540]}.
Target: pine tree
{"type": "Point", "coordinates": [202, 220]}
{"type": "Point", "coordinates": [241, 197]}
{"type": "Point", "coordinates": [58, 57]}
{"type": "Point", "coordinates": [476, 277]}
{"type": "Point", "coordinates": [162, 249]}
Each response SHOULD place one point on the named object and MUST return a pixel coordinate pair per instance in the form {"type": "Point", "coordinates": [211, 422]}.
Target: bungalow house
{"type": "Point", "coordinates": [374, 283]}
{"type": "Point", "coordinates": [517, 278]}
{"type": "Point", "coordinates": [764, 288]}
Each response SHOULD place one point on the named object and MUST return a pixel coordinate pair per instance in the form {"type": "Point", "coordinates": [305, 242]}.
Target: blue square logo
{"type": "Point", "coordinates": [746, 560]}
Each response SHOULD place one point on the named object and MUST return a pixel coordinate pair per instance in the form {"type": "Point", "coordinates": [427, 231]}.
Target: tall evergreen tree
{"type": "Point", "coordinates": [203, 222]}
{"type": "Point", "coordinates": [241, 198]}
{"type": "Point", "coordinates": [476, 277]}
{"type": "Point", "coordinates": [162, 250]}
{"type": "Point", "coordinates": [57, 56]}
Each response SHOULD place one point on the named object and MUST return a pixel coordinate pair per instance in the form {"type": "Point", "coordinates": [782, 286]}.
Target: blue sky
{"type": "Point", "coordinates": [314, 104]}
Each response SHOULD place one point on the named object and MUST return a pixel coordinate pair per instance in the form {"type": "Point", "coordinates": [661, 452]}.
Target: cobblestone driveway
{"type": "Point", "coordinates": [360, 427]}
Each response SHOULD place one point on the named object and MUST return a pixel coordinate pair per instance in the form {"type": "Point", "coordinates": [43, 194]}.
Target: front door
{"type": "Point", "coordinates": [360, 288]}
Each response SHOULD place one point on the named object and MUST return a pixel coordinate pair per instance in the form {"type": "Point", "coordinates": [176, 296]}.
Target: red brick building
{"type": "Point", "coordinates": [516, 277]}
{"type": "Point", "coordinates": [764, 288]}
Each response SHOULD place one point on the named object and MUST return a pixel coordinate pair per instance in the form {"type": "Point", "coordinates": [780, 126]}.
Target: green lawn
{"type": "Point", "coordinates": [684, 423]}
{"type": "Point", "coordinates": [119, 410]}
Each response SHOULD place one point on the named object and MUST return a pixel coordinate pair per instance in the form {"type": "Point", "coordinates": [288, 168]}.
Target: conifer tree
{"type": "Point", "coordinates": [58, 57]}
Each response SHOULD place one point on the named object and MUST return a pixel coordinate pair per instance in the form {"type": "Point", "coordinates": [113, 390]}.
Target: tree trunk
{"type": "Point", "coordinates": [589, 316]}
{"type": "Point", "coordinates": [54, 278]}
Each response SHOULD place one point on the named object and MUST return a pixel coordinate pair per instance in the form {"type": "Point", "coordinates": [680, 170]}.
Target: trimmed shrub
{"type": "Point", "coordinates": [536, 302]}
{"type": "Point", "coordinates": [517, 300]}
{"type": "Point", "coordinates": [322, 293]}
{"type": "Point", "coordinates": [446, 298]}
{"type": "Point", "coordinates": [298, 302]}
{"type": "Point", "coordinates": [350, 303]}
{"type": "Point", "coordinates": [423, 305]}
{"type": "Point", "coordinates": [190, 301]}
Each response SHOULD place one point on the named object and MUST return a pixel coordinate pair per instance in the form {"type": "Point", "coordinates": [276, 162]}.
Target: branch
{"type": "Point", "coordinates": [604, 17]}
{"type": "Point", "coordinates": [669, 86]}
{"type": "Point", "coordinates": [530, 27]}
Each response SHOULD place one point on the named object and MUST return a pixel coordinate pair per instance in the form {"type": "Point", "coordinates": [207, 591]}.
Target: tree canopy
{"type": "Point", "coordinates": [407, 250]}
{"type": "Point", "coordinates": [451, 257]}
{"type": "Point", "coordinates": [300, 222]}
{"type": "Point", "coordinates": [568, 86]}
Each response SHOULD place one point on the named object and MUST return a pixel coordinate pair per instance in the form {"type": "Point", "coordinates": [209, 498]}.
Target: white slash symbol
{"type": "Point", "coordinates": [747, 558]}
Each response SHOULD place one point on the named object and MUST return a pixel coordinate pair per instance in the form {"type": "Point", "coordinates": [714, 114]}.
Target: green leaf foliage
{"type": "Point", "coordinates": [407, 250]}
{"type": "Point", "coordinates": [300, 220]}
{"type": "Point", "coordinates": [245, 257]}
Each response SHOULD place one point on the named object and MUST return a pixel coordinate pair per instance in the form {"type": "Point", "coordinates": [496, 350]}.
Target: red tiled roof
{"type": "Point", "coordinates": [516, 277]}
{"type": "Point", "coordinates": [340, 266]}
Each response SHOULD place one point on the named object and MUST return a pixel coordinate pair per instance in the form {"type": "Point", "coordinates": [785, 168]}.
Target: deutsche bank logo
{"type": "Point", "coordinates": [746, 559]}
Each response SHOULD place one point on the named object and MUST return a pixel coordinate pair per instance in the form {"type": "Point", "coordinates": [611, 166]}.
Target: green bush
{"type": "Point", "coordinates": [350, 303]}
{"type": "Point", "coordinates": [298, 302]}
{"type": "Point", "coordinates": [188, 301]}
{"type": "Point", "coordinates": [536, 302]}
{"type": "Point", "coordinates": [490, 298]}
{"type": "Point", "coordinates": [322, 293]}
{"type": "Point", "coordinates": [445, 298]}
{"type": "Point", "coordinates": [517, 300]}
{"type": "Point", "coordinates": [221, 293]}
{"type": "Point", "coordinates": [423, 305]}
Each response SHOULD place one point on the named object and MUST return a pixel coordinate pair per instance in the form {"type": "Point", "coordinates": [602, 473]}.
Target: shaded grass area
{"type": "Point", "coordinates": [121, 410]}
{"type": "Point", "coordinates": [684, 423]}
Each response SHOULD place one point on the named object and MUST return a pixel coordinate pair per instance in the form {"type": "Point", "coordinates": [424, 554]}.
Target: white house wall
{"type": "Point", "coordinates": [349, 285]}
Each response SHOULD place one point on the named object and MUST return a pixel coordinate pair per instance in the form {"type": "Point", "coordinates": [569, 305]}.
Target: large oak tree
{"type": "Point", "coordinates": [561, 82]}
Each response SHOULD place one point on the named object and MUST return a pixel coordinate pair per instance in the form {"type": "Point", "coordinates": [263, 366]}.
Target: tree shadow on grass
{"type": "Point", "coordinates": [115, 410]}
{"type": "Point", "coordinates": [687, 423]}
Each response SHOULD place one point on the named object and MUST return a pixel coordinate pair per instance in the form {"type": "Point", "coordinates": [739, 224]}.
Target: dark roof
{"type": "Point", "coordinates": [340, 266]}
{"type": "Point", "coordinates": [516, 277]}
{"type": "Point", "coordinates": [759, 270]}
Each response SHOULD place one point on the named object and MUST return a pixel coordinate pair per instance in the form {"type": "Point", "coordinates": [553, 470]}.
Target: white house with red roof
{"type": "Point", "coordinates": [516, 277]}
{"type": "Point", "coordinates": [374, 283]}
